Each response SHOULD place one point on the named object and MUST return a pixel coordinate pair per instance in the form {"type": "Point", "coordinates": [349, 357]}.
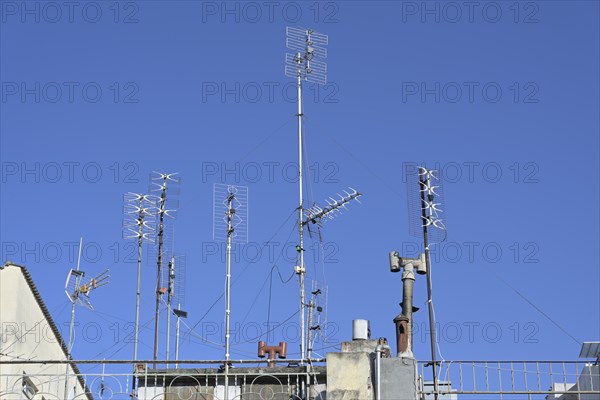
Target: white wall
{"type": "Point", "coordinates": [24, 332]}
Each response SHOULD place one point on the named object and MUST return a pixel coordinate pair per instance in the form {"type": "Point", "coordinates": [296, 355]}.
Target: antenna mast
{"type": "Point", "coordinates": [424, 215]}
{"type": "Point", "coordinates": [231, 207]}
{"type": "Point", "coordinates": [162, 211]}
{"type": "Point", "coordinates": [136, 225]}
{"type": "Point", "coordinates": [301, 65]}
{"type": "Point", "coordinates": [78, 293]}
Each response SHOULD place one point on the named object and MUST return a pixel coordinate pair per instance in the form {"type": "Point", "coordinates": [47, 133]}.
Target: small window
{"type": "Point", "coordinates": [29, 389]}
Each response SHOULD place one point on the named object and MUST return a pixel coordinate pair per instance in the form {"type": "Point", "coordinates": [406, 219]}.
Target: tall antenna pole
{"type": "Point", "coordinates": [78, 294]}
{"type": "Point", "coordinates": [301, 270]}
{"type": "Point", "coordinates": [161, 227]}
{"type": "Point", "coordinates": [162, 213]}
{"type": "Point", "coordinates": [137, 208]}
{"type": "Point", "coordinates": [230, 205]}
{"type": "Point", "coordinates": [300, 65]}
{"type": "Point", "coordinates": [425, 183]}
{"type": "Point", "coordinates": [139, 280]}
{"type": "Point", "coordinates": [72, 323]}
{"type": "Point", "coordinates": [78, 280]}
{"type": "Point", "coordinates": [230, 230]}
{"type": "Point", "coordinates": [424, 198]}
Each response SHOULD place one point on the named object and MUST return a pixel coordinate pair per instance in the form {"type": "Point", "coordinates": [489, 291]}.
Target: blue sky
{"type": "Point", "coordinates": [503, 96]}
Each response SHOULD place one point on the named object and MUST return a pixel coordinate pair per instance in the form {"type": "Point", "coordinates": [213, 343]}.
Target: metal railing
{"type": "Point", "coordinates": [252, 380]}
{"type": "Point", "coordinates": [194, 379]}
{"type": "Point", "coordinates": [573, 380]}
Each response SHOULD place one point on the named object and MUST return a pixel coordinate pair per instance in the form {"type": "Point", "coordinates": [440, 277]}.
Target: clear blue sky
{"type": "Point", "coordinates": [503, 95]}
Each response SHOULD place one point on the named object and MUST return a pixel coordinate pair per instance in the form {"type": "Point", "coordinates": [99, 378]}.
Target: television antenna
{"type": "Point", "coordinates": [78, 290]}
{"type": "Point", "coordinates": [305, 64]}
{"type": "Point", "coordinates": [316, 214]}
{"type": "Point", "coordinates": [164, 184]}
{"type": "Point", "coordinates": [425, 196]}
{"type": "Point", "coordinates": [230, 222]}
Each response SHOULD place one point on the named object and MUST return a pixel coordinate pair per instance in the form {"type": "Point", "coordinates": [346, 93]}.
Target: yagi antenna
{"type": "Point", "coordinates": [230, 218]}
{"type": "Point", "coordinates": [315, 214]}
{"type": "Point", "coordinates": [78, 289]}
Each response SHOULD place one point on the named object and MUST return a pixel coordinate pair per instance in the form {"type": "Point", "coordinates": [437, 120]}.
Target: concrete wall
{"type": "Point", "coordinates": [349, 376]}
{"type": "Point", "coordinates": [25, 332]}
{"type": "Point", "coordinates": [398, 379]}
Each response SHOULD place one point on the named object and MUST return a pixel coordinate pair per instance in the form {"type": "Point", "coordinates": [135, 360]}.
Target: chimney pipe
{"type": "Point", "coordinates": [404, 321]}
{"type": "Point", "coordinates": [272, 351]}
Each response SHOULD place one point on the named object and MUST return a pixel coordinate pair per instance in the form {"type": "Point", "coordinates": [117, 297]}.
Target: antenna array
{"type": "Point", "coordinates": [315, 214]}
{"type": "Point", "coordinates": [221, 193]}
{"type": "Point", "coordinates": [309, 47]}
{"type": "Point", "coordinates": [427, 211]}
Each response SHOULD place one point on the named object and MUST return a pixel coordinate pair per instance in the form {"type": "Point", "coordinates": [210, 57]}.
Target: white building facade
{"type": "Point", "coordinates": [28, 333]}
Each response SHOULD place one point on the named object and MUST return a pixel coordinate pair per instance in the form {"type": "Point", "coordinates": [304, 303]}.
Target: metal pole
{"type": "Point", "coordinates": [169, 299]}
{"type": "Point", "coordinates": [177, 339]}
{"type": "Point", "coordinates": [300, 210]}
{"type": "Point", "coordinates": [378, 351]}
{"type": "Point", "coordinates": [424, 183]}
{"type": "Point", "coordinates": [311, 307]}
{"type": "Point", "coordinates": [408, 280]}
{"type": "Point", "coordinates": [141, 217]}
{"type": "Point", "coordinates": [230, 213]}
{"type": "Point", "coordinates": [163, 199]}
{"type": "Point", "coordinates": [72, 324]}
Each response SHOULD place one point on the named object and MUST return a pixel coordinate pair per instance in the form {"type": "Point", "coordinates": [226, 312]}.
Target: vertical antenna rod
{"type": "Point", "coordinates": [300, 65]}
{"type": "Point", "coordinates": [78, 293]}
{"type": "Point", "coordinates": [137, 208]}
{"type": "Point", "coordinates": [230, 230]}
{"type": "Point", "coordinates": [72, 324]}
{"type": "Point", "coordinates": [424, 184]}
{"type": "Point", "coordinates": [140, 238]}
{"type": "Point", "coordinates": [170, 292]}
{"type": "Point", "coordinates": [162, 212]}
{"type": "Point", "coordinates": [161, 227]}
{"type": "Point", "coordinates": [139, 281]}
{"type": "Point", "coordinates": [301, 270]}
{"type": "Point", "coordinates": [179, 313]}
{"type": "Point", "coordinates": [230, 223]}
